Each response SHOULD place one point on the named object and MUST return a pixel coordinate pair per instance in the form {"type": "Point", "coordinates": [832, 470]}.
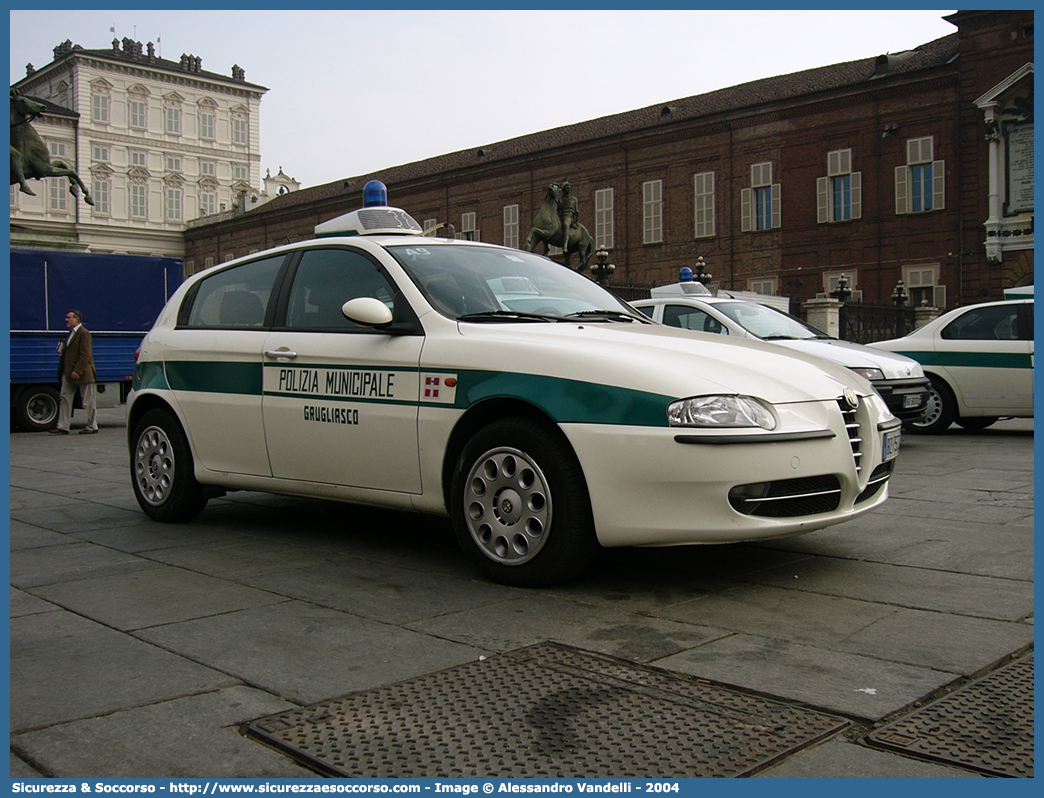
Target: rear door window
{"type": "Point", "coordinates": [235, 298]}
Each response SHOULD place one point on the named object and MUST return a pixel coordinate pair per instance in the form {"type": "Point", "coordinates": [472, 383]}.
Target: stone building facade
{"type": "Point", "coordinates": [876, 170]}
{"type": "Point", "coordinates": [157, 142]}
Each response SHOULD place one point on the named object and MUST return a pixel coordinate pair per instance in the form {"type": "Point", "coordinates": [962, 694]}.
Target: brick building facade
{"type": "Point", "coordinates": [900, 167]}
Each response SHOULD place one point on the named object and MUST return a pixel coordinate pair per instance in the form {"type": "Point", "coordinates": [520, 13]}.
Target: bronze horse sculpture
{"type": "Point", "coordinates": [547, 229]}
{"type": "Point", "coordinates": [29, 156]}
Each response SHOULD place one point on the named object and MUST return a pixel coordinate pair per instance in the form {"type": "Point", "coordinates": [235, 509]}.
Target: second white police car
{"type": "Point", "coordinates": [378, 366]}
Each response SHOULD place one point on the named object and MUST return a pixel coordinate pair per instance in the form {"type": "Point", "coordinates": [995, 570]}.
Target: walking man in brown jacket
{"type": "Point", "coordinates": [76, 371]}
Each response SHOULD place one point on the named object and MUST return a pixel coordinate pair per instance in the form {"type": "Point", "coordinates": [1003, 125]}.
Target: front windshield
{"type": "Point", "coordinates": [484, 283]}
{"type": "Point", "coordinates": [766, 322]}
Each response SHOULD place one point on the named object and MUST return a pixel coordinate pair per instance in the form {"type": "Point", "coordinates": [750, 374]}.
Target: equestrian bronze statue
{"type": "Point", "coordinates": [555, 225]}
{"type": "Point", "coordinates": [30, 159]}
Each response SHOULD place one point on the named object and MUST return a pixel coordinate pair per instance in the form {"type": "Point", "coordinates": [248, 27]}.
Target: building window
{"type": "Point", "coordinates": [922, 288]}
{"type": "Point", "coordinates": [100, 108]}
{"type": "Point", "coordinates": [58, 187]}
{"type": "Point", "coordinates": [468, 229]}
{"type": "Point", "coordinates": [173, 120]}
{"type": "Point", "coordinates": [831, 281]}
{"type": "Point", "coordinates": [511, 226]}
{"type": "Point", "coordinates": [604, 230]}
{"type": "Point", "coordinates": [208, 168]}
{"type": "Point", "coordinates": [239, 130]}
{"type": "Point", "coordinates": [99, 153]}
{"type": "Point", "coordinates": [173, 204]}
{"type": "Point", "coordinates": [765, 286]}
{"type": "Point", "coordinates": [206, 125]}
{"type": "Point", "coordinates": [430, 226]}
{"type": "Point", "coordinates": [207, 203]}
{"type": "Point", "coordinates": [652, 212]}
{"type": "Point", "coordinates": [239, 172]}
{"type": "Point", "coordinates": [920, 185]}
{"type": "Point", "coordinates": [839, 195]}
{"type": "Point", "coordinates": [760, 204]}
{"type": "Point", "coordinates": [57, 149]}
{"type": "Point", "coordinates": [139, 158]}
{"type": "Point", "coordinates": [208, 262]}
{"type": "Point", "coordinates": [14, 195]}
{"type": "Point", "coordinates": [173, 163]}
{"type": "Point", "coordinates": [101, 192]}
{"type": "Point", "coordinates": [137, 114]}
{"type": "Point", "coordinates": [703, 188]}
{"type": "Point", "coordinates": [138, 201]}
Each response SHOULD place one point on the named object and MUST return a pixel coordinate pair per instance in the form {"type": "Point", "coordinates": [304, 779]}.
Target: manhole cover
{"type": "Point", "coordinates": [986, 725]}
{"type": "Point", "coordinates": [545, 711]}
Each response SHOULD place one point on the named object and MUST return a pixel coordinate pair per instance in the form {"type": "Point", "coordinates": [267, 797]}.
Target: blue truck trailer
{"type": "Point", "coordinates": [120, 297]}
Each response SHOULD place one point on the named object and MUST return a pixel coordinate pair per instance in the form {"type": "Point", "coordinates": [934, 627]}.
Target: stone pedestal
{"type": "Point", "coordinates": [824, 314]}
{"type": "Point", "coordinates": [924, 314]}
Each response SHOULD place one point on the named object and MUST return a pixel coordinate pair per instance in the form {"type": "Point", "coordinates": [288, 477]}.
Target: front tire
{"type": "Point", "coordinates": [520, 505]}
{"type": "Point", "coordinates": [162, 470]}
{"type": "Point", "coordinates": [940, 410]}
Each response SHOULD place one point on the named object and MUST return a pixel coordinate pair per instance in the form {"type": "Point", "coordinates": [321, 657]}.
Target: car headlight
{"type": "Point", "coordinates": [870, 374]}
{"type": "Point", "coordinates": [720, 411]}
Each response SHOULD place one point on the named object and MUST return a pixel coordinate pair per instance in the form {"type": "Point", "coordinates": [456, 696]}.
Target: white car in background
{"type": "Point", "coordinates": [690, 305]}
{"type": "Point", "coordinates": [543, 415]}
{"type": "Point", "coordinates": [980, 361]}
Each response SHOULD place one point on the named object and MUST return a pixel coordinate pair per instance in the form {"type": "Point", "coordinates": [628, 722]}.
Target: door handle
{"type": "Point", "coordinates": [286, 354]}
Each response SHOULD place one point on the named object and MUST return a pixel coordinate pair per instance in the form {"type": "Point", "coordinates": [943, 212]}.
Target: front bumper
{"type": "Point", "coordinates": [907, 399]}
{"type": "Point", "coordinates": [677, 486]}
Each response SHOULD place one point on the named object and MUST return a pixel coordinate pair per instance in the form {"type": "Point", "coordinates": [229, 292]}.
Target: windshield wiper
{"type": "Point", "coordinates": [617, 315]}
{"type": "Point", "coordinates": [507, 315]}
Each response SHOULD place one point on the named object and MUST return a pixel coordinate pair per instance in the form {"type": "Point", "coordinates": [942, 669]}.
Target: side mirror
{"type": "Point", "coordinates": [367, 310]}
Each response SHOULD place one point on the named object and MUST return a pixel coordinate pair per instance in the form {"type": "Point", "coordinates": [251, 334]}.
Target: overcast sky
{"type": "Point", "coordinates": [351, 92]}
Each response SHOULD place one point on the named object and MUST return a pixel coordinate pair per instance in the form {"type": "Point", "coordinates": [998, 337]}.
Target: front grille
{"type": "Point", "coordinates": [788, 498]}
{"type": "Point", "coordinates": [854, 430]}
{"type": "Point", "coordinates": [878, 480]}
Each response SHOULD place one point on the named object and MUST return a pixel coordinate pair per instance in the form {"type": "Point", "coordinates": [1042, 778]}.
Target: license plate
{"type": "Point", "coordinates": [913, 400]}
{"type": "Point", "coordinates": [891, 444]}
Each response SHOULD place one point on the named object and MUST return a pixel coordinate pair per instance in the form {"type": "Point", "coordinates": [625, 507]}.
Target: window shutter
{"type": "Point", "coordinates": [902, 187]}
{"type": "Point", "coordinates": [776, 210]}
{"type": "Point", "coordinates": [703, 185]}
{"type": "Point", "coordinates": [939, 296]}
{"type": "Point", "coordinates": [938, 185]}
{"type": "Point", "coordinates": [857, 195]}
{"type": "Point", "coordinates": [822, 199]}
{"type": "Point", "coordinates": [746, 209]}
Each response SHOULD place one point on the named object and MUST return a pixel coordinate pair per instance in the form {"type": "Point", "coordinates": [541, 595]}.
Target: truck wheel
{"type": "Point", "coordinates": [37, 408]}
{"type": "Point", "coordinates": [161, 469]}
{"type": "Point", "coordinates": [520, 505]}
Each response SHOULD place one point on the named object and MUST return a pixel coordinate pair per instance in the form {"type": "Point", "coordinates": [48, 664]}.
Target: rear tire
{"type": "Point", "coordinates": [940, 410]}
{"type": "Point", "coordinates": [162, 471]}
{"type": "Point", "coordinates": [977, 422]}
{"type": "Point", "coordinates": [37, 408]}
{"type": "Point", "coordinates": [520, 505]}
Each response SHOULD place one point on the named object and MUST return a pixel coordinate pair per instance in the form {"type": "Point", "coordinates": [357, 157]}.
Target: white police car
{"type": "Point", "coordinates": [691, 305]}
{"type": "Point", "coordinates": [378, 366]}
{"type": "Point", "coordinates": [980, 361]}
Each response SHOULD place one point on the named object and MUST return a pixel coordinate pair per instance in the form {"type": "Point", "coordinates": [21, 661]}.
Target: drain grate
{"type": "Point", "coordinates": [545, 711]}
{"type": "Point", "coordinates": [986, 725]}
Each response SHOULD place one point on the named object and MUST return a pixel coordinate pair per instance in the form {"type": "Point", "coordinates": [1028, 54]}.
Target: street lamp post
{"type": "Point", "coordinates": [702, 275]}
{"type": "Point", "coordinates": [602, 269]}
{"type": "Point", "coordinates": [900, 298]}
{"type": "Point", "coordinates": [842, 292]}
